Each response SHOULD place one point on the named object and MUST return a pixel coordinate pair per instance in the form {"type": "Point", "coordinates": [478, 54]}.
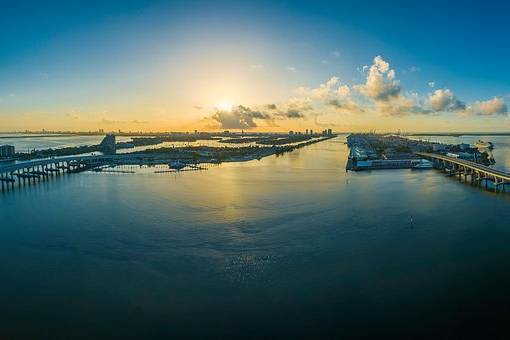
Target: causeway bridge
{"type": "Point", "coordinates": [477, 173]}
{"type": "Point", "coordinates": [28, 172]}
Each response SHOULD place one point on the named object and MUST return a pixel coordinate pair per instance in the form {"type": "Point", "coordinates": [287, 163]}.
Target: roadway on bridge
{"type": "Point", "coordinates": [472, 165]}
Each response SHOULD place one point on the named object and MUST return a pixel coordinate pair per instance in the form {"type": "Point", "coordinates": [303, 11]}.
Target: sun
{"type": "Point", "coordinates": [224, 105]}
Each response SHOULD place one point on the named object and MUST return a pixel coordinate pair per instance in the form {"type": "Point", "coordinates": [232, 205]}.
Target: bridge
{"type": "Point", "coordinates": [23, 173]}
{"type": "Point", "coordinates": [477, 173]}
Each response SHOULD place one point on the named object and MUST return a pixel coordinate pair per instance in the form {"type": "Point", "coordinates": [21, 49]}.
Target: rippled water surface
{"type": "Point", "coordinates": [286, 246]}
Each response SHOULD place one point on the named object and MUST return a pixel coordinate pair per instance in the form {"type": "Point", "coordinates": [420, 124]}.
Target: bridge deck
{"type": "Point", "coordinates": [99, 158]}
{"type": "Point", "coordinates": [469, 164]}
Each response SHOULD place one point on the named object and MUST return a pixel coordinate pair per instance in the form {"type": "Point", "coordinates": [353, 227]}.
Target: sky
{"type": "Point", "coordinates": [258, 66]}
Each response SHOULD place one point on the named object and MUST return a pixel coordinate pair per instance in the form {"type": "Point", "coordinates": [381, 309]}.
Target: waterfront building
{"type": "Point", "coordinates": [438, 147]}
{"type": "Point", "coordinates": [7, 151]}
{"type": "Point", "coordinates": [464, 146]}
{"type": "Point", "coordinates": [108, 145]}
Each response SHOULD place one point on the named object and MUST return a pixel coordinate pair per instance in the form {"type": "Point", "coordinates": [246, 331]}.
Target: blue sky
{"type": "Point", "coordinates": [142, 65]}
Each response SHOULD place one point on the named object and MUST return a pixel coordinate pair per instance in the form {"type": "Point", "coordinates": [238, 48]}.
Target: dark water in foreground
{"type": "Point", "coordinates": [288, 246]}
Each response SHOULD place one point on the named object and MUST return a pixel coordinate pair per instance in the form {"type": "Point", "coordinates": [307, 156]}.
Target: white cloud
{"type": "Point", "coordinates": [391, 74]}
{"type": "Point", "coordinates": [344, 91]}
{"type": "Point", "coordinates": [256, 66]}
{"type": "Point", "coordinates": [336, 53]}
{"type": "Point", "coordinates": [445, 100]}
{"type": "Point", "coordinates": [381, 84]}
{"type": "Point", "coordinates": [328, 90]}
{"type": "Point", "coordinates": [240, 117]}
{"type": "Point", "coordinates": [379, 94]}
{"type": "Point", "coordinates": [491, 107]}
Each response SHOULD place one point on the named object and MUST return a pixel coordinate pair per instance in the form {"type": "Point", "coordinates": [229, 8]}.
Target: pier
{"type": "Point", "coordinates": [464, 169]}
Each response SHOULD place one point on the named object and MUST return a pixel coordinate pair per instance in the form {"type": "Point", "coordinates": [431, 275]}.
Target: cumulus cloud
{"type": "Point", "coordinates": [445, 100]}
{"type": "Point", "coordinates": [324, 91]}
{"type": "Point", "coordinates": [291, 69]}
{"type": "Point", "coordinates": [380, 93]}
{"type": "Point", "coordinates": [294, 108]}
{"type": "Point", "coordinates": [297, 103]}
{"type": "Point", "coordinates": [240, 117]}
{"type": "Point", "coordinates": [292, 114]}
{"type": "Point", "coordinates": [491, 107]}
{"type": "Point", "coordinates": [401, 106]}
{"type": "Point", "coordinates": [344, 91]}
{"type": "Point", "coordinates": [243, 117]}
{"type": "Point", "coordinates": [346, 106]}
{"type": "Point", "coordinates": [380, 84]}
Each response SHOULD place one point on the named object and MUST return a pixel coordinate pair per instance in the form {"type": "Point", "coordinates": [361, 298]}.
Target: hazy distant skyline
{"type": "Point", "coordinates": [294, 65]}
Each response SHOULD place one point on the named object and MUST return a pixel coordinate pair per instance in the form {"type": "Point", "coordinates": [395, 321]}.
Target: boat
{"type": "Point", "coordinates": [177, 165]}
{"type": "Point", "coordinates": [480, 144]}
{"type": "Point", "coordinates": [422, 164]}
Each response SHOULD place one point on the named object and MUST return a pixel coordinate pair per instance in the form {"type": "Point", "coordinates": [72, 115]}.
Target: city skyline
{"type": "Point", "coordinates": [151, 66]}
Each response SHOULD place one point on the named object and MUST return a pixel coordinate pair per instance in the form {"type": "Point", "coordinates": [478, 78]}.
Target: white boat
{"type": "Point", "coordinates": [423, 164]}
{"type": "Point", "coordinates": [484, 145]}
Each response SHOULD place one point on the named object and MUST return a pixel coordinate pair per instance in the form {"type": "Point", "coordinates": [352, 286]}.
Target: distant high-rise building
{"type": "Point", "coordinates": [7, 151]}
{"type": "Point", "coordinates": [330, 132]}
{"type": "Point", "coordinates": [311, 132]}
{"type": "Point", "coordinates": [306, 131]}
{"type": "Point", "coordinates": [291, 132]}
